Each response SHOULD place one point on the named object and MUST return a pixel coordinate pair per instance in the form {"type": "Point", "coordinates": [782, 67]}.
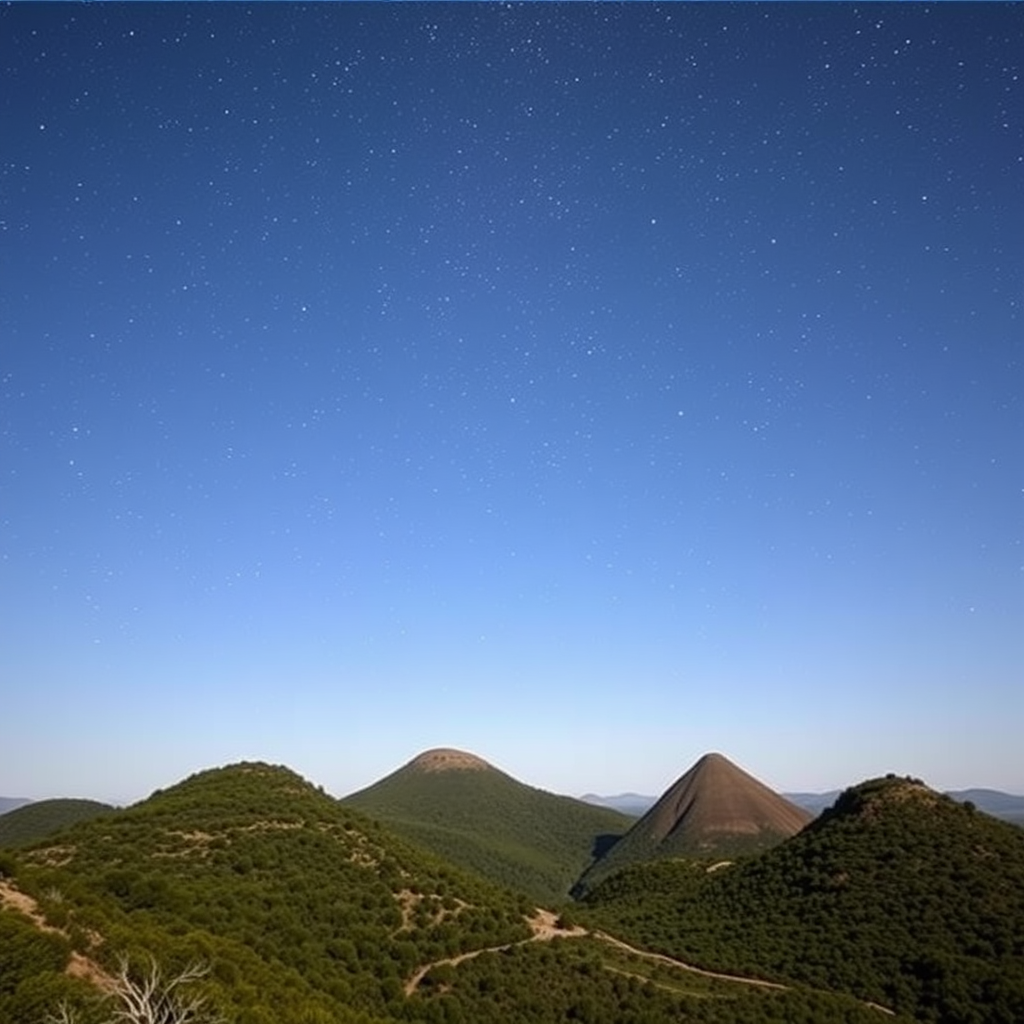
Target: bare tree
{"type": "Point", "coordinates": [151, 998]}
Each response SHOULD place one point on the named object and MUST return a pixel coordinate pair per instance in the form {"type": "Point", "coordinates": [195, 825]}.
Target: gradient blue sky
{"type": "Point", "coordinates": [588, 387]}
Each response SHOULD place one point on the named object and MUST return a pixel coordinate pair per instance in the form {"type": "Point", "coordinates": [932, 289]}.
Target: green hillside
{"type": "Point", "coordinates": [896, 894]}
{"type": "Point", "coordinates": [252, 868]}
{"type": "Point", "coordinates": [302, 911]}
{"type": "Point", "coordinates": [42, 818]}
{"type": "Point", "coordinates": [486, 821]}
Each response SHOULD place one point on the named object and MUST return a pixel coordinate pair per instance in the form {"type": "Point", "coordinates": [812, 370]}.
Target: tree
{"type": "Point", "coordinates": [151, 998]}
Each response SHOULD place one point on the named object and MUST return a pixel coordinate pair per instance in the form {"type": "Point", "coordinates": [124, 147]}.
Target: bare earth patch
{"type": "Point", "coordinates": [444, 759]}
{"type": "Point", "coordinates": [79, 965]}
{"type": "Point", "coordinates": [409, 902]}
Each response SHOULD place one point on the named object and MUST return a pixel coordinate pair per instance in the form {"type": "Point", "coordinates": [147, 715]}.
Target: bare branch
{"type": "Point", "coordinates": [64, 1015]}
{"type": "Point", "coordinates": [152, 998]}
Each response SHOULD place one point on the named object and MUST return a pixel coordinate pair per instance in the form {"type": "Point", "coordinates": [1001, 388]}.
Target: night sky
{"type": "Point", "coordinates": [588, 387]}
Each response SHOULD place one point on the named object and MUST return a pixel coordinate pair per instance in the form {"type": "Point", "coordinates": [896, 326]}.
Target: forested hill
{"type": "Point", "coordinates": [479, 817]}
{"type": "Point", "coordinates": [896, 894]}
{"type": "Point", "coordinates": [251, 867]}
{"type": "Point", "coordinates": [40, 818]}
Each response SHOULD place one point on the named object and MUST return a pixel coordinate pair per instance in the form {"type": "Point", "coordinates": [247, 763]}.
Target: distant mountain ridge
{"type": "Point", "coordinates": [634, 804]}
{"type": "Point", "coordinates": [9, 803]}
{"type": "Point", "coordinates": [813, 802]}
{"type": "Point", "coordinates": [1007, 806]}
{"type": "Point", "coordinates": [464, 809]}
{"type": "Point", "coordinates": [715, 809]}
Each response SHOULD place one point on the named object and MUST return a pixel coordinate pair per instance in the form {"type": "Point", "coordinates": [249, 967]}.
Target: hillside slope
{"type": "Point", "coordinates": [477, 816]}
{"type": "Point", "coordinates": [252, 867]}
{"type": "Point", "coordinates": [896, 894]}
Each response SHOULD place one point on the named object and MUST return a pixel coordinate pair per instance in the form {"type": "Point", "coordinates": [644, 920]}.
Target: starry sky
{"type": "Point", "coordinates": [588, 387]}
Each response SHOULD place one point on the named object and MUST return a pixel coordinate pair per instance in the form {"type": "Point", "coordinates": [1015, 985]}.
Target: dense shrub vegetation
{"type": "Point", "coordinates": [897, 895]}
{"type": "Point", "coordinates": [32, 979]}
{"type": "Point", "coordinates": [585, 980]}
{"type": "Point", "coordinates": [489, 823]}
{"type": "Point", "coordinates": [301, 905]}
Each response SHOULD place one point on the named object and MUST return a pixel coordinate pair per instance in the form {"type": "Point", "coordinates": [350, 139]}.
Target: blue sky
{"type": "Point", "coordinates": [588, 387]}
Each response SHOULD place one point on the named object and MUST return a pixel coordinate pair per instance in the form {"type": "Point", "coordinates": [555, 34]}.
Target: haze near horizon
{"type": "Point", "coordinates": [587, 387]}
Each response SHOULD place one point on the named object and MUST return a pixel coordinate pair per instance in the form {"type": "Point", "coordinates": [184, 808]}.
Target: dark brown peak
{"type": "Point", "coordinates": [717, 796]}
{"type": "Point", "coordinates": [446, 759]}
{"type": "Point", "coordinates": [712, 761]}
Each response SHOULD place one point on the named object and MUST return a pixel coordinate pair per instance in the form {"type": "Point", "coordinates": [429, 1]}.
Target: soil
{"type": "Point", "coordinates": [443, 759]}
{"type": "Point", "coordinates": [79, 965]}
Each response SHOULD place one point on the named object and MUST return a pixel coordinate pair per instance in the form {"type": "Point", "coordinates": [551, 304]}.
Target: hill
{"type": "Point", "coordinates": [714, 810]}
{"type": "Point", "coordinates": [466, 810]}
{"type": "Point", "coordinates": [896, 894]}
{"type": "Point", "coordinates": [254, 869]}
{"type": "Point", "coordinates": [285, 907]}
{"type": "Point", "coordinates": [44, 817]}
{"type": "Point", "coordinates": [1007, 806]}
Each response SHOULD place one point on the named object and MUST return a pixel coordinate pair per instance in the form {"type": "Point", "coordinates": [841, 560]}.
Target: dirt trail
{"type": "Point", "coordinates": [683, 966]}
{"type": "Point", "coordinates": [660, 958]}
{"type": "Point", "coordinates": [24, 904]}
{"type": "Point", "coordinates": [544, 925]}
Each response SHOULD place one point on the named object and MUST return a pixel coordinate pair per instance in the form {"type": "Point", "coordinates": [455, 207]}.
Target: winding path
{"type": "Point", "coordinates": [660, 958]}
{"type": "Point", "coordinates": [544, 925]}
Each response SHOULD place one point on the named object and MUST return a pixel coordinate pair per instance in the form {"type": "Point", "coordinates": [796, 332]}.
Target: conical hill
{"type": "Point", "coordinates": [714, 810]}
{"type": "Point", "coordinates": [716, 802]}
{"type": "Point", "coordinates": [474, 815]}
